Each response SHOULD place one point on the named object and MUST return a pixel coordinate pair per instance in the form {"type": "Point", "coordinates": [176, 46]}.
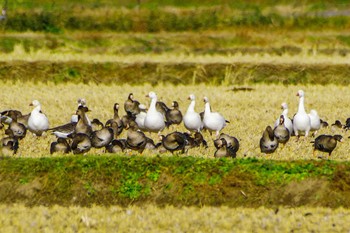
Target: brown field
{"type": "Point", "coordinates": [249, 112]}
{"type": "Point", "coordinates": [18, 218]}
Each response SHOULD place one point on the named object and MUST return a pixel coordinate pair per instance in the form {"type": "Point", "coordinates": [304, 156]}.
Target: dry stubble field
{"type": "Point", "coordinates": [249, 112]}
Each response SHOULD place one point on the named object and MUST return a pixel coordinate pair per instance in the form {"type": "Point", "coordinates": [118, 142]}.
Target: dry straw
{"type": "Point", "coordinates": [249, 112]}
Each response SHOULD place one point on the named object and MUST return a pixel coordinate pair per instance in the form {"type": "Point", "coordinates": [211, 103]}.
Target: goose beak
{"type": "Point", "coordinates": [297, 94]}
{"type": "Point", "coordinates": [31, 104]}
{"type": "Point", "coordinates": [147, 95]}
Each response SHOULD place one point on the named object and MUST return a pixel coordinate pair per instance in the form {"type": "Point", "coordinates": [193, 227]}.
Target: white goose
{"type": "Point", "coordinates": [192, 120]}
{"type": "Point", "coordinates": [38, 121]}
{"type": "Point", "coordinates": [287, 121]}
{"type": "Point", "coordinates": [140, 117]}
{"type": "Point", "coordinates": [301, 120]}
{"type": "Point", "coordinates": [314, 121]}
{"type": "Point", "coordinates": [154, 120]}
{"type": "Point", "coordinates": [213, 121]}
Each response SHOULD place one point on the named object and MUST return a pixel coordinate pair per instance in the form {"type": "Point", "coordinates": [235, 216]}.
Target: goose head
{"type": "Point", "coordinates": [131, 96]}
{"type": "Point", "coordinates": [35, 103]}
{"type": "Point", "coordinates": [175, 104]}
{"type": "Point", "coordinates": [284, 106]}
{"type": "Point", "coordinates": [116, 106]}
{"type": "Point", "coordinates": [300, 93]}
{"type": "Point", "coordinates": [205, 99]}
{"type": "Point", "coordinates": [338, 137]}
{"type": "Point", "coordinates": [192, 97]}
{"type": "Point", "coordinates": [313, 112]}
{"type": "Point", "coordinates": [81, 102]}
{"type": "Point", "coordinates": [152, 95]}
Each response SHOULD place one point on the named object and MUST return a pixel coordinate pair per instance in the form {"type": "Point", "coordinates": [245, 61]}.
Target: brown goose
{"type": "Point", "coordinates": [19, 130]}
{"type": "Point", "coordinates": [232, 142]}
{"type": "Point", "coordinates": [326, 143]}
{"type": "Point", "coordinates": [131, 106]}
{"type": "Point", "coordinates": [9, 145]}
{"type": "Point", "coordinates": [281, 132]}
{"type": "Point", "coordinates": [199, 140]}
{"type": "Point", "coordinates": [173, 116]}
{"type": "Point", "coordinates": [116, 122]}
{"type": "Point", "coordinates": [337, 125]}
{"type": "Point", "coordinates": [136, 140]}
{"type": "Point", "coordinates": [60, 146]}
{"type": "Point", "coordinates": [116, 146]}
{"type": "Point", "coordinates": [223, 149]}
{"type": "Point", "coordinates": [162, 108]}
{"type": "Point", "coordinates": [324, 124]}
{"type": "Point", "coordinates": [63, 131]}
{"type": "Point", "coordinates": [82, 103]}
{"type": "Point", "coordinates": [127, 119]}
{"type": "Point", "coordinates": [6, 117]}
{"type": "Point", "coordinates": [96, 124]}
{"type": "Point", "coordinates": [268, 142]}
{"type": "Point", "coordinates": [174, 141]}
{"type": "Point", "coordinates": [347, 124]}
{"type": "Point", "coordinates": [101, 138]}
{"type": "Point", "coordinates": [83, 125]}
{"type": "Point", "coordinates": [81, 143]}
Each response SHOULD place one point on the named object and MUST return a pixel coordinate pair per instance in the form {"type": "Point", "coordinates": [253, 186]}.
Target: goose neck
{"type": "Point", "coordinates": [301, 107]}
{"type": "Point", "coordinates": [207, 108]}
{"type": "Point", "coordinates": [191, 106]}
{"type": "Point", "coordinates": [153, 104]}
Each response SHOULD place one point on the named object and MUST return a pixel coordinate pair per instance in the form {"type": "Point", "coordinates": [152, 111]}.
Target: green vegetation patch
{"type": "Point", "coordinates": [121, 180]}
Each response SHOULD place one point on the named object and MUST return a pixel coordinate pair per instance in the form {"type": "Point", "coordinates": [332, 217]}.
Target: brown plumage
{"type": "Point", "coordinates": [116, 146]}
{"type": "Point", "coordinates": [83, 124]}
{"type": "Point", "coordinates": [173, 116]}
{"type": "Point", "coordinates": [162, 108]}
{"type": "Point", "coordinates": [62, 131]}
{"type": "Point", "coordinates": [268, 142]}
{"type": "Point", "coordinates": [232, 142]}
{"type": "Point", "coordinates": [9, 114]}
{"type": "Point", "coordinates": [131, 106]}
{"type": "Point", "coordinates": [326, 143]}
{"type": "Point", "coordinates": [19, 130]}
{"type": "Point", "coordinates": [96, 124]}
{"type": "Point", "coordinates": [60, 146]}
{"type": "Point", "coordinates": [102, 137]}
{"type": "Point", "coordinates": [281, 132]}
{"type": "Point", "coordinates": [224, 149]}
{"type": "Point", "coordinates": [136, 140]}
{"type": "Point", "coordinates": [174, 141]}
{"type": "Point", "coordinates": [81, 143]}
{"type": "Point", "coordinates": [9, 145]}
{"type": "Point", "coordinates": [116, 122]}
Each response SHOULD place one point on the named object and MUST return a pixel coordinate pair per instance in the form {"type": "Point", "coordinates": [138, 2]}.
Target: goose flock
{"type": "Point", "coordinates": [81, 134]}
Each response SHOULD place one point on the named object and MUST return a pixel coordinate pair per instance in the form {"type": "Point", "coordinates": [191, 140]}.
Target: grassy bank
{"type": "Point", "coordinates": [179, 73]}
{"type": "Point", "coordinates": [179, 181]}
{"type": "Point", "coordinates": [173, 18]}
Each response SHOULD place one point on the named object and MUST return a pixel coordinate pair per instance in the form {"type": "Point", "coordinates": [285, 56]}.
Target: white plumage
{"type": "Point", "coordinates": [154, 120]}
{"type": "Point", "coordinates": [37, 122]}
{"type": "Point", "coordinates": [192, 120]}
{"type": "Point", "coordinates": [287, 121]}
{"type": "Point", "coordinates": [315, 121]}
{"type": "Point", "coordinates": [140, 117]}
{"type": "Point", "coordinates": [213, 121]}
{"type": "Point", "coordinates": [301, 120]}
